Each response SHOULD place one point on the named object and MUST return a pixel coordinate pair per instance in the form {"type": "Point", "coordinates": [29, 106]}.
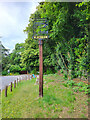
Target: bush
{"type": "Point", "coordinates": [16, 73]}
{"type": "Point", "coordinates": [34, 71]}
{"type": "Point", "coordinates": [49, 71]}
{"type": "Point", "coordinates": [23, 69]}
{"type": "Point", "coordinates": [15, 68]}
{"type": "Point", "coordinates": [4, 72]}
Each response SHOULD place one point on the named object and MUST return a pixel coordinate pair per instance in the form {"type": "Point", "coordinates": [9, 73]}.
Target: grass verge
{"type": "Point", "coordinates": [58, 101]}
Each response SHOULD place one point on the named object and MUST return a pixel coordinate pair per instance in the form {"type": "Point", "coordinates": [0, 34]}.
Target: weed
{"type": "Point", "coordinates": [61, 71]}
{"type": "Point", "coordinates": [71, 83]}
{"type": "Point", "coordinates": [83, 116]}
{"type": "Point", "coordinates": [65, 76]}
{"type": "Point", "coordinates": [80, 84]}
{"type": "Point", "coordinates": [65, 84]}
{"type": "Point", "coordinates": [69, 111]}
{"type": "Point", "coordinates": [76, 89]}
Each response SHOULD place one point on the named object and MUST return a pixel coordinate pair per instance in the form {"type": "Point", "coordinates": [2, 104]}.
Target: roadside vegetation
{"type": "Point", "coordinates": [0, 106]}
{"type": "Point", "coordinates": [60, 100]}
{"type": "Point", "coordinates": [66, 49]}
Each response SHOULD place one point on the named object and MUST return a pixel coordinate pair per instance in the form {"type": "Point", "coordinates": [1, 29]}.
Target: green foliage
{"type": "Point", "coordinates": [67, 46]}
{"type": "Point", "coordinates": [34, 71]}
{"type": "Point", "coordinates": [49, 71]}
{"type": "Point", "coordinates": [65, 84]}
{"type": "Point", "coordinates": [70, 83]}
{"type": "Point", "coordinates": [23, 69]}
{"type": "Point", "coordinates": [16, 73]}
{"type": "Point", "coordinates": [80, 84]}
{"type": "Point", "coordinates": [15, 68]}
{"type": "Point", "coordinates": [76, 89]}
{"type": "Point", "coordinates": [56, 100]}
{"type": "Point", "coordinates": [65, 76]}
{"type": "Point", "coordinates": [4, 72]}
{"type": "Point", "coordinates": [61, 71]}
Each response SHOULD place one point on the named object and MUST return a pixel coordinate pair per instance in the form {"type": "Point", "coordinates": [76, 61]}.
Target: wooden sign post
{"type": "Point", "coordinates": [40, 32]}
{"type": "Point", "coordinates": [40, 69]}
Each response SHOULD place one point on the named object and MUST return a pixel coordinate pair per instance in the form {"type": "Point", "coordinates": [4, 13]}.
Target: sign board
{"type": "Point", "coordinates": [40, 29]}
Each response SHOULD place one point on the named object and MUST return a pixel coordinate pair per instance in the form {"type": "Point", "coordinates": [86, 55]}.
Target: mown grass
{"type": "Point", "coordinates": [58, 101]}
{"type": "Point", "coordinates": [0, 106]}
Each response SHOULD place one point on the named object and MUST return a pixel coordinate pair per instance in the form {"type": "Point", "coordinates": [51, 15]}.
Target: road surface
{"type": "Point", "coordinates": [6, 80]}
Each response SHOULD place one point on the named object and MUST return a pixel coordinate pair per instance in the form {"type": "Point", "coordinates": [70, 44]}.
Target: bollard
{"type": "Point", "coordinates": [28, 77]}
{"type": "Point", "coordinates": [15, 84]}
{"type": "Point", "coordinates": [6, 91]}
{"type": "Point", "coordinates": [11, 87]}
{"type": "Point", "coordinates": [17, 81]}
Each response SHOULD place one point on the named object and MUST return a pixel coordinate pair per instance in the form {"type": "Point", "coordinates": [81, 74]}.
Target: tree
{"type": "Point", "coordinates": [67, 45]}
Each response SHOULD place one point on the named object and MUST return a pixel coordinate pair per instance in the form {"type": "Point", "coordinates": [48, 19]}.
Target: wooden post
{"type": "Point", "coordinates": [28, 77]}
{"type": "Point", "coordinates": [15, 84]}
{"type": "Point", "coordinates": [20, 79]}
{"type": "Point", "coordinates": [11, 87]}
{"type": "Point", "coordinates": [6, 91]}
{"type": "Point", "coordinates": [40, 69]}
{"type": "Point", "coordinates": [17, 81]}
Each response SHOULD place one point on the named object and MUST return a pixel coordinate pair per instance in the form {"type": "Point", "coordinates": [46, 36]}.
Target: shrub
{"type": "Point", "coordinates": [34, 71]}
{"type": "Point", "coordinates": [23, 69]}
{"type": "Point", "coordinates": [15, 68]}
{"type": "Point", "coordinates": [4, 72]}
{"type": "Point", "coordinates": [16, 73]}
{"type": "Point", "coordinates": [49, 71]}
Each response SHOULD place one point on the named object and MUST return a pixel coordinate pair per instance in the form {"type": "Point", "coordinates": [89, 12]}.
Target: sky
{"type": "Point", "coordinates": [14, 18]}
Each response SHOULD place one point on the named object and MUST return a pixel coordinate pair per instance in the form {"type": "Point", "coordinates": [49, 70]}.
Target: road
{"type": "Point", "coordinates": [6, 80]}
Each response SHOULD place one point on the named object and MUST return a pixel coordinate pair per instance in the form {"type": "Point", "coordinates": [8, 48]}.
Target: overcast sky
{"type": "Point", "coordinates": [14, 18]}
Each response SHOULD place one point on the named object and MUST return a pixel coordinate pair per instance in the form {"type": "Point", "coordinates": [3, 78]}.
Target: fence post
{"type": "Point", "coordinates": [17, 81]}
{"type": "Point", "coordinates": [11, 87]}
{"type": "Point", "coordinates": [15, 84]}
{"type": "Point", "coordinates": [6, 91]}
{"type": "Point", "coordinates": [20, 79]}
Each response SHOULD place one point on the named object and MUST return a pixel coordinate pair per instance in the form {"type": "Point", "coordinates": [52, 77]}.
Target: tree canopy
{"type": "Point", "coordinates": [67, 45]}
